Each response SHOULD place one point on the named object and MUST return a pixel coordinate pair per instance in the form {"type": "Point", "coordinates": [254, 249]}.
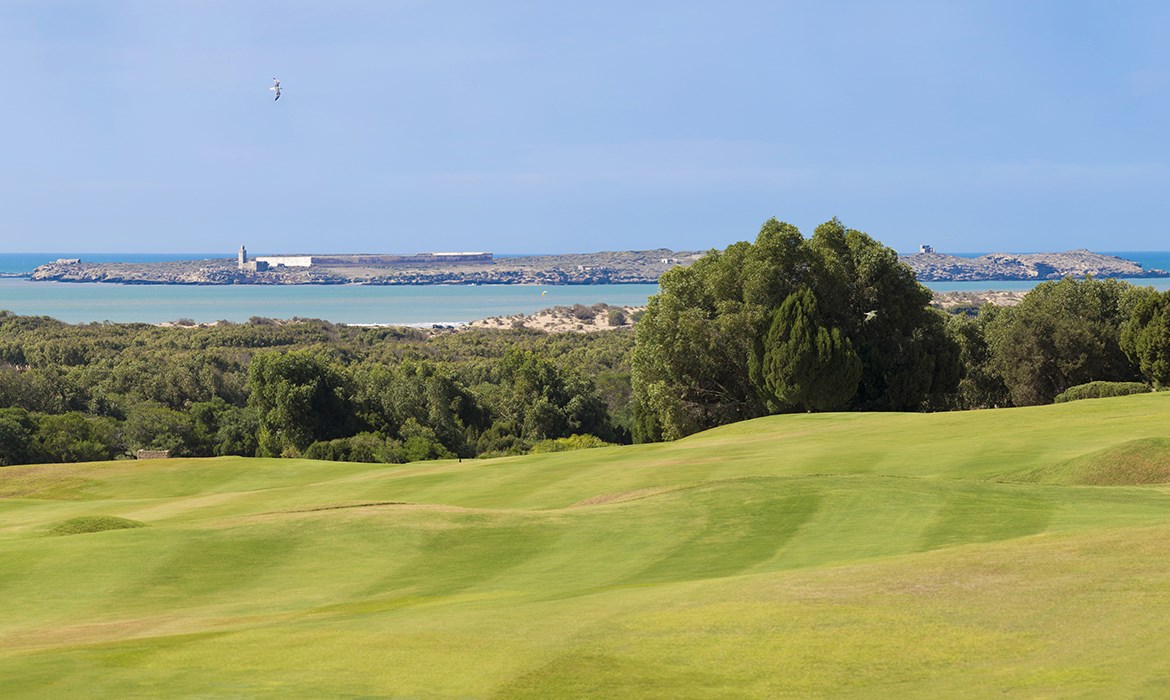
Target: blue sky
{"type": "Point", "coordinates": [573, 127]}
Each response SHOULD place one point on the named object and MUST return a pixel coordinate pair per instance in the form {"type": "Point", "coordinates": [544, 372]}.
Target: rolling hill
{"type": "Point", "coordinates": [1020, 551]}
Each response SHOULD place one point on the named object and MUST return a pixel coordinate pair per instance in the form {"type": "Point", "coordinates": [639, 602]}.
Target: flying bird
{"type": "Point", "coordinates": [275, 87]}
{"type": "Point", "coordinates": [870, 315]}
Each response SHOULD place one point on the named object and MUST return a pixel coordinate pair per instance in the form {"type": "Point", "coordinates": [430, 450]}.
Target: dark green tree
{"type": "Point", "coordinates": [17, 428]}
{"type": "Point", "coordinates": [1062, 334]}
{"type": "Point", "coordinates": [153, 427]}
{"type": "Point", "coordinates": [546, 401]}
{"type": "Point", "coordinates": [981, 386]}
{"type": "Point", "coordinates": [420, 442]}
{"type": "Point", "coordinates": [430, 393]}
{"type": "Point", "coordinates": [908, 360]}
{"type": "Point", "coordinates": [692, 363]}
{"type": "Point", "coordinates": [75, 437]}
{"type": "Point", "coordinates": [300, 399]}
{"type": "Point", "coordinates": [803, 365]}
{"type": "Point", "coordinates": [1145, 337]}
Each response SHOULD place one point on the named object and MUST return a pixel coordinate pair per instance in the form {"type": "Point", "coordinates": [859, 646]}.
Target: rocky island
{"type": "Point", "coordinates": [621, 267]}
{"type": "Point", "coordinates": [938, 267]}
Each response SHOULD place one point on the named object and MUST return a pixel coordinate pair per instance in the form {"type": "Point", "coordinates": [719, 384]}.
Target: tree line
{"type": "Point", "coordinates": [835, 322]}
{"type": "Point", "coordinates": [832, 322]}
{"type": "Point", "coordinates": [304, 388]}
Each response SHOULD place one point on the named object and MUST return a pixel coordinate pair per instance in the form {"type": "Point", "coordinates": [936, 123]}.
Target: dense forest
{"type": "Point", "coordinates": [827, 323]}
{"type": "Point", "coordinates": [304, 388]}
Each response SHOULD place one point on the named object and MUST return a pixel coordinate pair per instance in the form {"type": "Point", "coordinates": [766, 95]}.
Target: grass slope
{"type": "Point", "coordinates": [853, 554]}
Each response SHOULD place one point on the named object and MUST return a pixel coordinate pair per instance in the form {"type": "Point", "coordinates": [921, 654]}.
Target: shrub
{"type": "Point", "coordinates": [567, 444]}
{"type": "Point", "coordinates": [76, 437]}
{"type": "Point", "coordinates": [617, 317]}
{"type": "Point", "coordinates": [1099, 390]}
{"type": "Point", "coordinates": [582, 312]}
{"type": "Point", "coordinates": [363, 447]}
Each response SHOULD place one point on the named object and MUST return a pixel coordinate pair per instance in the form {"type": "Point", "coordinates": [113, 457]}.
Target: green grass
{"type": "Point", "coordinates": [93, 523]}
{"type": "Point", "coordinates": [1020, 552]}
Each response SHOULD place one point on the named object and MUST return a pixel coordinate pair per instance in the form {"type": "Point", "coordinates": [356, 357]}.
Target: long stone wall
{"type": "Point", "coordinates": [417, 259]}
{"type": "Point", "coordinates": [286, 260]}
{"type": "Point", "coordinates": [374, 260]}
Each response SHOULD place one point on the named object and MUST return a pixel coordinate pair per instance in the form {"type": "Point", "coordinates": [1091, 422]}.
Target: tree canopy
{"type": "Point", "coordinates": [1145, 337]}
{"type": "Point", "coordinates": [717, 344]}
{"type": "Point", "coordinates": [1062, 334]}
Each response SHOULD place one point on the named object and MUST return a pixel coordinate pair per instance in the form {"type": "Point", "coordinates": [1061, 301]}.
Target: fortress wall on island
{"type": "Point", "coordinates": [286, 260]}
{"type": "Point", "coordinates": [374, 260]}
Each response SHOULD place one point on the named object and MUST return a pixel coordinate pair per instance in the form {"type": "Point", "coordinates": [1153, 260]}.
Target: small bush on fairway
{"type": "Point", "coordinates": [573, 442]}
{"type": "Point", "coordinates": [94, 523]}
{"type": "Point", "coordinates": [1100, 390]}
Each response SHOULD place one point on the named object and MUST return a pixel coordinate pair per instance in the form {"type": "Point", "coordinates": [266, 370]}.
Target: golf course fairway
{"type": "Point", "coordinates": [1022, 551]}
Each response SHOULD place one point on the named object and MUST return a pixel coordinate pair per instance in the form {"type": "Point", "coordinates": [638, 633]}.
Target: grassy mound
{"type": "Point", "coordinates": [93, 523]}
{"type": "Point", "coordinates": [1132, 463]}
{"type": "Point", "coordinates": [804, 555]}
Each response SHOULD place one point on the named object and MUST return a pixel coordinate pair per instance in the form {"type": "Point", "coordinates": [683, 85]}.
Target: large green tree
{"type": "Point", "coordinates": [76, 437]}
{"type": "Point", "coordinates": [802, 364]}
{"type": "Point", "coordinates": [544, 401]}
{"type": "Point", "coordinates": [17, 428]}
{"type": "Point", "coordinates": [430, 394]}
{"type": "Point", "coordinates": [300, 399]}
{"type": "Point", "coordinates": [692, 364]}
{"type": "Point", "coordinates": [1145, 337]}
{"type": "Point", "coordinates": [981, 386]}
{"type": "Point", "coordinates": [1063, 333]}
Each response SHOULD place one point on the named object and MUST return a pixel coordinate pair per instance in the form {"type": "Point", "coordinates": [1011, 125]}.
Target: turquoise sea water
{"type": "Point", "coordinates": [354, 304]}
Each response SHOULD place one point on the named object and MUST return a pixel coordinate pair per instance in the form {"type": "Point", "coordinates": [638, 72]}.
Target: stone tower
{"type": "Point", "coordinates": [242, 259]}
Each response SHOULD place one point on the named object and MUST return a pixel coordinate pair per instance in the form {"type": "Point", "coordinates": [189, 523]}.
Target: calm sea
{"type": "Point", "coordinates": [78, 303]}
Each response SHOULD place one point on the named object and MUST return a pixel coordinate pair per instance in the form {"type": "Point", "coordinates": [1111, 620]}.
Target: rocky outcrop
{"type": "Point", "coordinates": [624, 267]}
{"type": "Point", "coordinates": [937, 267]}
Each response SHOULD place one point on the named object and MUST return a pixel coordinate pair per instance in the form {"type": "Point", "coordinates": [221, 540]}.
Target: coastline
{"type": "Point", "coordinates": [596, 318]}
{"type": "Point", "coordinates": [601, 268]}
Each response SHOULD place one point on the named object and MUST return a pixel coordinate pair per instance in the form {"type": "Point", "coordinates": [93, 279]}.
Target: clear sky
{"type": "Point", "coordinates": [548, 126]}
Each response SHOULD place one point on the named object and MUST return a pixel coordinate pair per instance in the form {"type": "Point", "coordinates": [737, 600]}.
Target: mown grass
{"type": "Point", "coordinates": [83, 524]}
{"type": "Point", "coordinates": [851, 555]}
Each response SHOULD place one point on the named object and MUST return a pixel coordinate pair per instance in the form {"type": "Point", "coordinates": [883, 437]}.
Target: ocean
{"type": "Point", "coordinates": [352, 304]}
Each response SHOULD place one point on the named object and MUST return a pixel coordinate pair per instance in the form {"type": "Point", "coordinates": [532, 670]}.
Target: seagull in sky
{"type": "Point", "coordinates": [275, 87]}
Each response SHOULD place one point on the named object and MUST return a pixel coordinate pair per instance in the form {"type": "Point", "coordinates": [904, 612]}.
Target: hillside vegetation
{"type": "Point", "coordinates": [787, 324]}
{"type": "Point", "coordinates": [834, 554]}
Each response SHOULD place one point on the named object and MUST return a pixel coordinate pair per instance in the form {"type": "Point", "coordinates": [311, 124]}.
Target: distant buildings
{"type": "Point", "coordinates": [924, 248]}
{"type": "Point", "coordinates": [243, 264]}
{"type": "Point", "coordinates": [265, 262]}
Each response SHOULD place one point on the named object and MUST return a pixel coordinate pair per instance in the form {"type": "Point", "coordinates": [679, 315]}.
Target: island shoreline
{"type": "Point", "coordinates": [584, 269]}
